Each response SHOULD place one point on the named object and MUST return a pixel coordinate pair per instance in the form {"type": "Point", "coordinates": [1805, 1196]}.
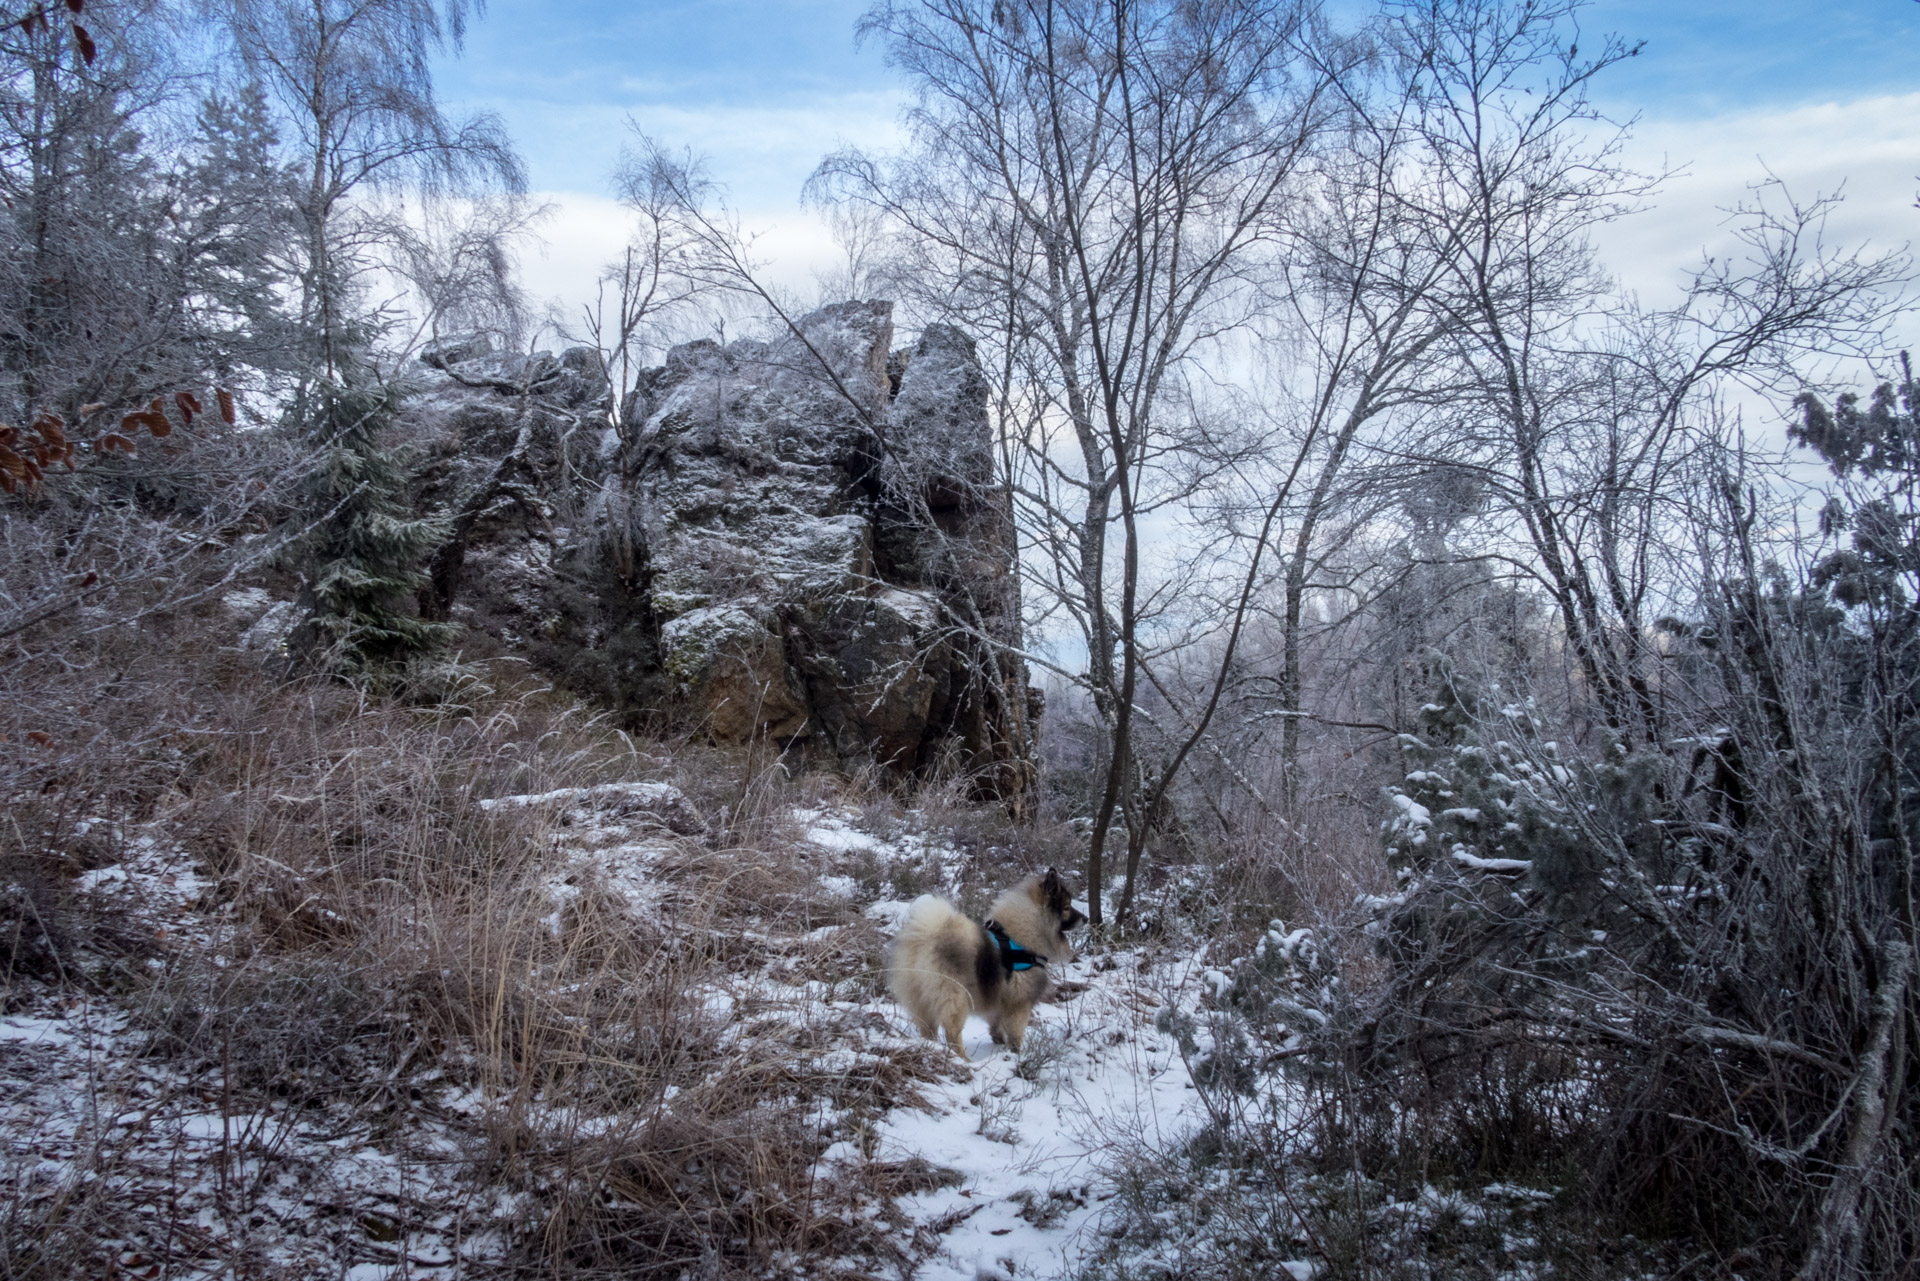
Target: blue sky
{"type": "Point", "coordinates": [566, 76]}
{"type": "Point", "coordinates": [1707, 58]}
{"type": "Point", "coordinates": [1820, 93]}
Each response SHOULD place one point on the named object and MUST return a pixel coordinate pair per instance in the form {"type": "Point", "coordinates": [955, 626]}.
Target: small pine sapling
{"type": "Point", "coordinates": [366, 558]}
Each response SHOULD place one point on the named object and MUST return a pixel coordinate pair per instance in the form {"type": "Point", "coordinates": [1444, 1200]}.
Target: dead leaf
{"type": "Point", "coordinates": [17, 467]}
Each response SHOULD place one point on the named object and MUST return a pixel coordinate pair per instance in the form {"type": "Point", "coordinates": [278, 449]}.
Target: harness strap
{"type": "Point", "coordinates": [1013, 957]}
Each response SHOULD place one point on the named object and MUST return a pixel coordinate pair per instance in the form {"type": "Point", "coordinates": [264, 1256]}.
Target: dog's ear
{"type": "Point", "coordinates": [1052, 884]}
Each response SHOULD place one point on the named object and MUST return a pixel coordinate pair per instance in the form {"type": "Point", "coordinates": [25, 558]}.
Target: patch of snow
{"type": "Point", "coordinates": [19, 1027]}
{"type": "Point", "coordinates": [1038, 1140]}
{"type": "Point", "coordinates": [642, 792]}
{"type": "Point", "coordinates": [1475, 863]}
{"type": "Point", "coordinates": [248, 602]}
{"type": "Point", "coordinates": [833, 832]}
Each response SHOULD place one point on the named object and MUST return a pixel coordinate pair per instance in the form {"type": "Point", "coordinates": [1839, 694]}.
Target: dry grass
{"type": "Point", "coordinates": [649, 1090]}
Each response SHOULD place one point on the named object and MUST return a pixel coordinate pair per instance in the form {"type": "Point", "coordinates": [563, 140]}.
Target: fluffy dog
{"type": "Point", "coordinates": [943, 966]}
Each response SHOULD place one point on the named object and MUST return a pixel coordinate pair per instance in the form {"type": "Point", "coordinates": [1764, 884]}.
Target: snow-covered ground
{"type": "Point", "coordinates": [1008, 1150]}
{"type": "Point", "coordinates": [1024, 1136]}
{"type": "Point", "coordinates": [1027, 1135]}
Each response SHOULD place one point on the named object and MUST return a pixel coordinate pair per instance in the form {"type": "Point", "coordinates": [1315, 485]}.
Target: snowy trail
{"type": "Point", "coordinates": [1025, 1137]}
{"type": "Point", "coordinates": [1028, 1145]}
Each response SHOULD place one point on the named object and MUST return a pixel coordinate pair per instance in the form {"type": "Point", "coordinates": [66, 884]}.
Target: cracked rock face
{"type": "Point", "coordinates": [798, 540]}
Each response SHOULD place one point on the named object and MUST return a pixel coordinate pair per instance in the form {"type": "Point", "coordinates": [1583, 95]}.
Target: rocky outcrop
{"type": "Point", "coordinates": [798, 540]}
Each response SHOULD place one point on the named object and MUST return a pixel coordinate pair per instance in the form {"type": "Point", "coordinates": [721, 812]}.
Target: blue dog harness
{"type": "Point", "coordinates": [1013, 957]}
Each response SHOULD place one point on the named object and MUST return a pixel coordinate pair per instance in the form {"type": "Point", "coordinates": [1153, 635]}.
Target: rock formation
{"type": "Point", "coordinates": [798, 540]}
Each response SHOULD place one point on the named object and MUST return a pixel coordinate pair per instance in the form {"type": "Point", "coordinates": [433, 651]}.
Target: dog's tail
{"type": "Point", "coordinates": [927, 913]}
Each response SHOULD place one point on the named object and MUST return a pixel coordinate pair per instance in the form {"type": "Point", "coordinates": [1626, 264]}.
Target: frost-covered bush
{"type": "Point", "coordinates": [1663, 973]}
{"type": "Point", "coordinates": [1285, 986]}
{"type": "Point", "coordinates": [1493, 820]}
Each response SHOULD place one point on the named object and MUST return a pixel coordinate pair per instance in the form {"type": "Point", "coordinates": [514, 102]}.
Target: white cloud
{"type": "Point", "coordinates": [761, 156]}
{"type": "Point", "coordinates": [585, 232]}
{"type": "Point", "coordinates": [1869, 148]}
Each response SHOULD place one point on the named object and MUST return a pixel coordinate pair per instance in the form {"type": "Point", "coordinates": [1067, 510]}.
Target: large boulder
{"type": "Point", "coordinates": [799, 540]}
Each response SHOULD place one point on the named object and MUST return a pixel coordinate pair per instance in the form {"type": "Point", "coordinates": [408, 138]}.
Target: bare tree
{"type": "Point", "coordinates": [456, 262]}
{"type": "Point", "coordinates": [653, 288]}
{"type": "Point", "coordinates": [1090, 185]}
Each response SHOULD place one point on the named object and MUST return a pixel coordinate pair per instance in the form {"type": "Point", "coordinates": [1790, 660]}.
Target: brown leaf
{"type": "Point", "coordinates": [85, 41]}
{"type": "Point", "coordinates": [93, 576]}
{"type": "Point", "coordinates": [114, 440]}
{"type": "Point", "coordinates": [8, 434]}
{"type": "Point", "coordinates": [16, 468]}
{"type": "Point", "coordinates": [40, 454]}
{"type": "Point", "coordinates": [227, 412]}
{"type": "Point", "coordinates": [75, 6]}
{"type": "Point", "coordinates": [52, 429]}
{"type": "Point", "coordinates": [41, 737]}
{"type": "Point", "coordinates": [157, 424]}
{"type": "Point", "coordinates": [189, 404]}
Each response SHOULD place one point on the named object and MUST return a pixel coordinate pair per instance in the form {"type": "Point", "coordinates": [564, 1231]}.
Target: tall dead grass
{"type": "Point", "coordinates": [376, 943]}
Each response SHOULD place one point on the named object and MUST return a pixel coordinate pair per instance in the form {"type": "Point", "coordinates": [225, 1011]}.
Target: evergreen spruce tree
{"type": "Point", "coordinates": [367, 557]}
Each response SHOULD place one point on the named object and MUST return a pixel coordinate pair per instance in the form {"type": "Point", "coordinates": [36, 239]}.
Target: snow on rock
{"type": "Point", "coordinates": [798, 592]}
{"type": "Point", "coordinates": [662, 802]}
{"type": "Point", "coordinates": [270, 630]}
{"type": "Point", "coordinates": [835, 832]}
{"type": "Point", "coordinates": [247, 602]}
